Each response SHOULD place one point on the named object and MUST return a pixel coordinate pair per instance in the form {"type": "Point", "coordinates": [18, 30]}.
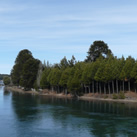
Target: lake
{"type": "Point", "coordinates": [41, 116]}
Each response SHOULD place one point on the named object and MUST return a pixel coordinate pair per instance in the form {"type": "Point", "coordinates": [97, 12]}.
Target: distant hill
{"type": "Point", "coordinates": [3, 75]}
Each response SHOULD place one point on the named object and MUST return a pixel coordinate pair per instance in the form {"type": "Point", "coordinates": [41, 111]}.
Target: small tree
{"type": "Point", "coordinates": [6, 80]}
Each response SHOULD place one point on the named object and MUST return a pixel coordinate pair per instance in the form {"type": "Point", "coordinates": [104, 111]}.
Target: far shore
{"type": "Point", "coordinates": [130, 97]}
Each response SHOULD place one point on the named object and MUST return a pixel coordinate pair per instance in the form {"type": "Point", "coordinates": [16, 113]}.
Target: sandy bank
{"type": "Point", "coordinates": [130, 96]}
{"type": "Point", "coordinates": [16, 89]}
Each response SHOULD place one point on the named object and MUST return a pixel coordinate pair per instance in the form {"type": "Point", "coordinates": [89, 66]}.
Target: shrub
{"type": "Point", "coordinates": [106, 96]}
{"type": "Point", "coordinates": [121, 95]}
{"type": "Point", "coordinates": [115, 96]}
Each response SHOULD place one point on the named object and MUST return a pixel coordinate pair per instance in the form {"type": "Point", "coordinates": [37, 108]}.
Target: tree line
{"type": "Point", "coordinates": [3, 75]}
{"type": "Point", "coordinates": [101, 72]}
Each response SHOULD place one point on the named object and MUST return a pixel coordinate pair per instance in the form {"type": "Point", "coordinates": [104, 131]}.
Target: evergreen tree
{"type": "Point", "coordinates": [74, 82]}
{"type": "Point", "coordinates": [6, 80]}
{"type": "Point", "coordinates": [44, 78]}
{"type": "Point", "coordinates": [99, 75]}
{"type": "Point", "coordinates": [86, 79]}
{"type": "Point", "coordinates": [63, 63]}
{"type": "Point", "coordinates": [97, 49]}
{"type": "Point", "coordinates": [29, 73]}
{"type": "Point", "coordinates": [54, 78]}
{"type": "Point", "coordinates": [134, 75]}
{"type": "Point", "coordinates": [64, 78]}
{"type": "Point", "coordinates": [126, 71]}
{"type": "Point", "coordinates": [122, 74]}
{"type": "Point", "coordinates": [16, 73]}
{"type": "Point", "coordinates": [72, 62]}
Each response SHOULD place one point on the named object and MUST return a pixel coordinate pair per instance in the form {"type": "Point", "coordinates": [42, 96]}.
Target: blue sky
{"type": "Point", "coordinates": [52, 29]}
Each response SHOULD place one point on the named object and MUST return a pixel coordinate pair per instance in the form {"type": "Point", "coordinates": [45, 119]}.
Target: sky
{"type": "Point", "coordinates": [52, 29]}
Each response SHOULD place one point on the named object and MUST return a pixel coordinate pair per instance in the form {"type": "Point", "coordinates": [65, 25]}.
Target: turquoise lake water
{"type": "Point", "coordinates": [37, 116]}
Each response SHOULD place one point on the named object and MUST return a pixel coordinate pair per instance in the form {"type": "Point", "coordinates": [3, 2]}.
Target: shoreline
{"type": "Point", "coordinates": [86, 97]}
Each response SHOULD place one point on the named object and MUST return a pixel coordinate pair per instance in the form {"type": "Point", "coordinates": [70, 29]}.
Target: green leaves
{"type": "Point", "coordinates": [97, 49]}
{"type": "Point", "coordinates": [6, 80]}
{"type": "Point", "coordinates": [54, 76]}
{"type": "Point", "coordinates": [134, 72]}
{"type": "Point", "coordinates": [29, 73]}
{"type": "Point", "coordinates": [127, 68]}
{"type": "Point", "coordinates": [25, 70]}
{"type": "Point", "coordinates": [44, 82]}
{"type": "Point", "coordinates": [64, 77]}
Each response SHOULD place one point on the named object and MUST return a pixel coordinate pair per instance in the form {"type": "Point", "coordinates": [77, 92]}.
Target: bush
{"type": "Point", "coordinates": [6, 80]}
{"type": "Point", "coordinates": [106, 96]}
{"type": "Point", "coordinates": [115, 96]}
{"type": "Point", "coordinates": [121, 95]}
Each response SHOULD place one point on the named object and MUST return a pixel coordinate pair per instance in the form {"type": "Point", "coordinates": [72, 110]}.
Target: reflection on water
{"type": "Point", "coordinates": [42, 116]}
{"type": "Point", "coordinates": [6, 92]}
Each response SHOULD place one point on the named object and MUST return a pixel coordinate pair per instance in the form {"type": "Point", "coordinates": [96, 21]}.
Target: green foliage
{"type": "Point", "coordinates": [44, 81]}
{"type": "Point", "coordinates": [63, 63]}
{"type": "Point", "coordinates": [126, 71]}
{"type": "Point", "coordinates": [133, 73]}
{"type": "Point", "coordinates": [86, 79]}
{"type": "Point", "coordinates": [121, 95]}
{"type": "Point", "coordinates": [29, 73]}
{"type": "Point", "coordinates": [99, 75]}
{"type": "Point", "coordinates": [74, 82]}
{"type": "Point", "coordinates": [72, 62]}
{"type": "Point", "coordinates": [97, 49]}
{"type": "Point", "coordinates": [115, 96]}
{"type": "Point", "coordinates": [25, 70]}
{"type": "Point", "coordinates": [3, 75]}
{"type": "Point", "coordinates": [64, 77]}
{"type": "Point", "coordinates": [6, 80]}
{"type": "Point", "coordinates": [106, 96]}
{"type": "Point", "coordinates": [96, 74]}
{"type": "Point", "coordinates": [16, 73]}
{"type": "Point", "coordinates": [117, 66]}
{"type": "Point", "coordinates": [54, 76]}
{"type": "Point", "coordinates": [108, 69]}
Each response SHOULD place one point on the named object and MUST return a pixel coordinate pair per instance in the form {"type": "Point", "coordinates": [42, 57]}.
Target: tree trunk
{"type": "Point", "coordinates": [66, 91]}
{"type": "Point", "coordinates": [117, 85]}
{"type": "Point", "coordinates": [109, 87]}
{"type": "Point", "coordinates": [120, 85]}
{"type": "Point", "coordinates": [58, 88]}
{"type": "Point", "coordinates": [85, 88]}
{"type": "Point", "coordinates": [113, 86]}
{"type": "Point", "coordinates": [135, 88]}
{"type": "Point", "coordinates": [104, 88]}
{"type": "Point", "coordinates": [89, 88]}
{"type": "Point", "coordinates": [123, 86]}
{"type": "Point", "coordinates": [93, 86]}
{"type": "Point", "coordinates": [100, 87]}
{"type": "Point", "coordinates": [129, 85]}
{"type": "Point", "coordinates": [97, 87]}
